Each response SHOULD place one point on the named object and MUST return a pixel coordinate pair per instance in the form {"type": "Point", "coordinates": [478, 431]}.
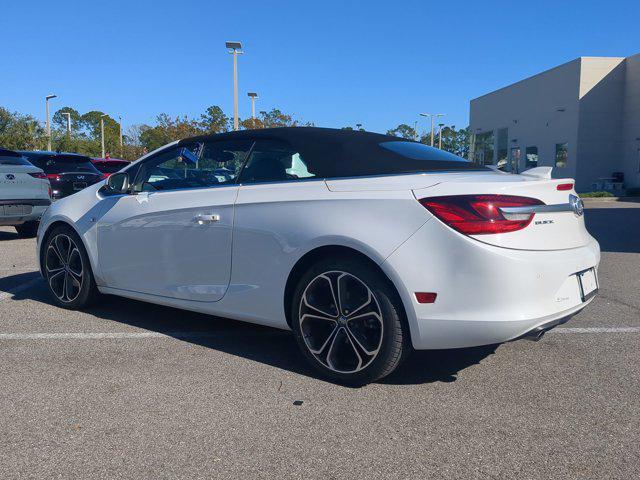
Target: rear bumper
{"type": "Point", "coordinates": [19, 211]}
{"type": "Point", "coordinates": [485, 294]}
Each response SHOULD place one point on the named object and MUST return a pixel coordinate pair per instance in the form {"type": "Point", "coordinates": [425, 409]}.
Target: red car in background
{"type": "Point", "coordinates": [109, 165]}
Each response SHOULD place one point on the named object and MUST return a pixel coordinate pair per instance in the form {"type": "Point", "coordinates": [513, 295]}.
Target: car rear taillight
{"type": "Point", "coordinates": [53, 176]}
{"type": "Point", "coordinates": [39, 175]}
{"type": "Point", "coordinates": [480, 214]}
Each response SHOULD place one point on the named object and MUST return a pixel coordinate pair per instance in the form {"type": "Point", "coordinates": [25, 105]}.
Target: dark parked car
{"type": "Point", "coordinates": [67, 172]}
{"type": "Point", "coordinates": [109, 165]}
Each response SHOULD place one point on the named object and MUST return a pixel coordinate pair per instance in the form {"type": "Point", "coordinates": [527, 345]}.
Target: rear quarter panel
{"type": "Point", "coordinates": [277, 224]}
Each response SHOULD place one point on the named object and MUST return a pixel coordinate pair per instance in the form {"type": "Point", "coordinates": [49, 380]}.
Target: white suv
{"type": "Point", "coordinates": [25, 193]}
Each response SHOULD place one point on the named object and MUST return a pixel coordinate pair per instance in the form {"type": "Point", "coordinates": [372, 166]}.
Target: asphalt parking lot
{"type": "Point", "coordinates": [132, 390]}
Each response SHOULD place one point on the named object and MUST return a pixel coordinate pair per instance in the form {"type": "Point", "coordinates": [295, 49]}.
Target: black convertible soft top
{"type": "Point", "coordinates": [333, 153]}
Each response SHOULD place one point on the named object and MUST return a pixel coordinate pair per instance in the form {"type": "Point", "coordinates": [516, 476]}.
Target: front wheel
{"type": "Point", "coordinates": [348, 321]}
{"type": "Point", "coordinates": [67, 269]}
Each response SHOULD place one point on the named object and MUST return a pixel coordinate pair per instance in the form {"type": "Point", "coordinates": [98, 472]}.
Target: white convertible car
{"type": "Point", "coordinates": [364, 245]}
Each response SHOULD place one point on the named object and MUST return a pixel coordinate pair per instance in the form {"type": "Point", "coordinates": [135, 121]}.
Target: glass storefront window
{"type": "Point", "coordinates": [531, 154]}
{"type": "Point", "coordinates": [503, 134]}
{"type": "Point", "coordinates": [484, 148]}
{"type": "Point", "coordinates": [561, 155]}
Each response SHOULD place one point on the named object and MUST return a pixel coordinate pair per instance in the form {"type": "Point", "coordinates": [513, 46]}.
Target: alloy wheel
{"type": "Point", "coordinates": [341, 322]}
{"type": "Point", "coordinates": [64, 268]}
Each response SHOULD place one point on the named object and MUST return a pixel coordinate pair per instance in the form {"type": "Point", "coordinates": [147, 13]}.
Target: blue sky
{"type": "Point", "coordinates": [335, 63]}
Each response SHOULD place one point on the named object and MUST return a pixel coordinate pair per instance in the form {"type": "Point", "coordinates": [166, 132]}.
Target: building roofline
{"type": "Point", "coordinates": [579, 59]}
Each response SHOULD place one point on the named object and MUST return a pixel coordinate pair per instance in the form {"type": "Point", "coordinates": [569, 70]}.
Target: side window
{"type": "Point", "coordinates": [274, 161]}
{"type": "Point", "coordinates": [212, 164]}
{"type": "Point", "coordinates": [223, 160]}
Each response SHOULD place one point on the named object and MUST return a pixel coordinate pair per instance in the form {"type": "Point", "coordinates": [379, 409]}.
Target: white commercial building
{"type": "Point", "coordinates": [582, 118]}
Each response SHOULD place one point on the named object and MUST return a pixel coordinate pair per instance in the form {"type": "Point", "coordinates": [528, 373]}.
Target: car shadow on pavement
{"type": "Point", "coordinates": [616, 229]}
{"type": "Point", "coordinates": [257, 343]}
{"type": "Point", "coordinates": [4, 235]}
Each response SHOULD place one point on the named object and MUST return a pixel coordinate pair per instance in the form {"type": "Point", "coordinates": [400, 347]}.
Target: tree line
{"type": "Point", "coordinates": [24, 132]}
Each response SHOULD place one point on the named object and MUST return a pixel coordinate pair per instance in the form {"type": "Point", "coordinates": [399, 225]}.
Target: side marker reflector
{"type": "Point", "coordinates": [426, 297]}
{"type": "Point", "coordinates": [564, 186]}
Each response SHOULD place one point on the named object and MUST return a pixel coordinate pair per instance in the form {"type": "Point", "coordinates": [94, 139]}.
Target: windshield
{"type": "Point", "coordinates": [64, 164]}
{"type": "Point", "coordinates": [110, 167]}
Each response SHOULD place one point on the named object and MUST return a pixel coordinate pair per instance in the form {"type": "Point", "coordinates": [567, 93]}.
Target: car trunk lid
{"type": "Point", "coordinates": [557, 224]}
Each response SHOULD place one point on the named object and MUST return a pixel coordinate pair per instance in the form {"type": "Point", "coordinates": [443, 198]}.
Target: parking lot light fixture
{"type": "Point", "coordinates": [440, 135]}
{"type": "Point", "coordinates": [102, 132]}
{"type": "Point", "coordinates": [253, 96]}
{"type": "Point", "coordinates": [432, 116]}
{"type": "Point", "coordinates": [235, 48]}
{"type": "Point", "coordinates": [48, 125]}
{"type": "Point", "coordinates": [68, 115]}
{"type": "Point", "coordinates": [120, 134]}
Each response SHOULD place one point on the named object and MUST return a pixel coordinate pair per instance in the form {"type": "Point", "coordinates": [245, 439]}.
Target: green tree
{"type": "Point", "coordinates": [214, 120]}
{"type": "Point", "coordinates": [60, 121]}
{"type": "Point", "coordinates": [20, 132]}
{"type": "Point", "coordinates": [404, 131]}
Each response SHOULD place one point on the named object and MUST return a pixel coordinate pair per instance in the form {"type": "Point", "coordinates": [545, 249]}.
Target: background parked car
{"type": "Point", "coordinates": [109, 165]}
{"type": "Point", "coordinates": [25, 193]}
{"type": "Point", "coordinates": [67, 172]}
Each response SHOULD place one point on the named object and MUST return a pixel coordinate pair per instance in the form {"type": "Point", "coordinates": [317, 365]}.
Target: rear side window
{"type": "Point", "coordinates": [419, 151]}
{"type": "Point", "coordinates": [275, 161]}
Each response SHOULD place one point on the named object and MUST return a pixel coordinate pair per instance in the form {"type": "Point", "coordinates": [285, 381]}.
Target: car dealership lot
{"type": "Point", "coordinates": [129, 389]}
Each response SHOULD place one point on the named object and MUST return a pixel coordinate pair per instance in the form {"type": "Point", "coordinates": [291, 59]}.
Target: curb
{"type": "Point", "coordinates": [610, 199]}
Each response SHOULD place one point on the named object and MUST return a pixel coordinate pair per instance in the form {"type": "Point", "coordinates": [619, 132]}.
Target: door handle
{"type": "Point", "coordinates": [203, 219]}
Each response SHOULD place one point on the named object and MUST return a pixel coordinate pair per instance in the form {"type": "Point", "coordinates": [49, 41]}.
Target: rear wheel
{"type": "Point", "coordinates": [348, 321]}
{"type": "Point", "coordinates": [67, 269]}
{"type": "Point", "coordinates": [27, 229]}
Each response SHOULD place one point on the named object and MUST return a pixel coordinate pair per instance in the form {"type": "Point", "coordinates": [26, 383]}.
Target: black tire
{"type": "Point", "coordinates": [346, 273]}
{"type": "Point", "coordinates": [54, 266]}
{"type": "Point", "coordinates": [27, 229]}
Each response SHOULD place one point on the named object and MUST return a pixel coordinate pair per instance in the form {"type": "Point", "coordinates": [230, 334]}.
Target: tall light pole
{"type": "Point", "coordinates": [102, 132]}
{"type": "Point", "coordinates": [68, 123]}
{"type": "Point", "coordinates": [235, 48]}
{"type": "Point", "coordinates": [120, 131]}
{"type": "Point", "coordinates": [253, 96]}
{"type": "Point", "coordinates": [432, 115]}
{"type": "Point", "coordinates": [48, 125]}
{"type": "Point", "coordinates": [415, 131]}
{"type": "Point", "coordinates": [440, 135]}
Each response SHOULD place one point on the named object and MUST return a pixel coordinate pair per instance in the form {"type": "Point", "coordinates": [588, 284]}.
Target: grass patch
{"type": "Point", "coordinates": [596, 194]}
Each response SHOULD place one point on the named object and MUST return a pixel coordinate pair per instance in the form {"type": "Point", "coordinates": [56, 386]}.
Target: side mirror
{"type": "Point", "coordinates": [118, 183]}
{"type": "Point", "coordinates": [187, 156]}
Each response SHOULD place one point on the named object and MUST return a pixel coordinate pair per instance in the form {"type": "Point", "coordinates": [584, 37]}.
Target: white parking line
{"type": "Point", "coordinates": [597, 330]}
{"type": "Point", "coordinates": [105, 335]}
{"type": "Point", "coordinates": [20, 288]}
{"type": "Point", "coordinates": [196, 335]}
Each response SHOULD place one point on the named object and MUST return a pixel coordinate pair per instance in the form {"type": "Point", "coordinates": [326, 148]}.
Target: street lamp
{"type": "Point", "coordinates": [440, 136]}
{"type": "Point", "coordinates": [432, 115]}
{"type": "Point", "coordinates": [120, 130]}
{"type": "Point", "coordinates": [68, 114]}
{"type": "Point", "coordinates": [102, 131]}
{"type": "Point", "coordinates": [46, 103]}
{"type": "Point", "coordinates": [235, 48]}
{"type": "Point", "coordinates": [253, 96]}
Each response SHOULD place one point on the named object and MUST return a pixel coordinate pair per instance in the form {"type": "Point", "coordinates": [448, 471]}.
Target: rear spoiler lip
{"type": "Point", "coordinates": [543, 173]}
